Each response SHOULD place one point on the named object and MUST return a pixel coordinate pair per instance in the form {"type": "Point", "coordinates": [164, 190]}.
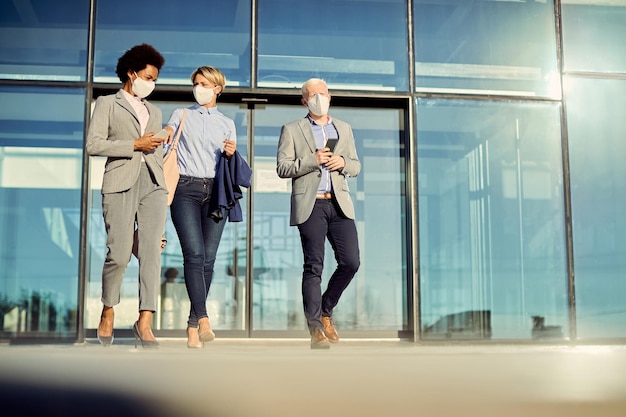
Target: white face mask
{"type": "Point", "coordinates": [319, 105]}
{"type": "Point", "coordinates": [203, 95]}
{"type": "Point", "coordinates": [142, 88]}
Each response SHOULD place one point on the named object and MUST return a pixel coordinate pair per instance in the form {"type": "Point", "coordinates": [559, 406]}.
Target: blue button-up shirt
{"type": "Point", "coordinates": [202, 139]}
{"type": "Point", "coordinates": [322, 133]}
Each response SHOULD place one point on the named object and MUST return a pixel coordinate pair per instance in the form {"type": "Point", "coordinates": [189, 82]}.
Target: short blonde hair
{"type": "Point", "coordinates": [212, 74]}
{"type": "Point", "coordinates": [307, 83]}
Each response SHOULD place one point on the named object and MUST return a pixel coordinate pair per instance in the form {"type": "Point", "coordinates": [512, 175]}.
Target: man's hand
{"type": "Point", "coordinates": [335, 163]}
{"type": "Point", "coordinates": [323, 156]}
{"type": "Point", "coordinates": [147, 143]}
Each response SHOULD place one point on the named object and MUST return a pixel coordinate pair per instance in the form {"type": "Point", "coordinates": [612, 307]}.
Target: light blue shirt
{"type": "Point", "coordinates": [322, 133]}
{"type": "Point", "coordinates": [202, 139]}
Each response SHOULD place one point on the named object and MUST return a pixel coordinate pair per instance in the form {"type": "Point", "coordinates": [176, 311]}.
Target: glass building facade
{"type": "Point", "coordinates": [491, 134]}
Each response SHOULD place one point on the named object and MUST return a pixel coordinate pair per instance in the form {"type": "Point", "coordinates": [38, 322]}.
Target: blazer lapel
{"type": "Point", "coordinates": [341, 132]}
{"type": "Point", "coordinates": [152, 126]}
{"type": "Point", "coordinates": [307, 132]}
{"type": "Point", "coordinates": [121, 100]}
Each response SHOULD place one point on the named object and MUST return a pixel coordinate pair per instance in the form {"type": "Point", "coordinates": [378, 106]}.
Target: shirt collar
{"type": "Point", "coordinates": [203, 110]}
{"type": "Point", "coordinates": [130, 96]}
{"type": "Point", "coordinates": [313, 122]}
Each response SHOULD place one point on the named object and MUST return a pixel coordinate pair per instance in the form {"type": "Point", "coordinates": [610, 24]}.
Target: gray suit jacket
{"type": "Point", "coordinates": [296, 160]}
{"type": "Point", "coordinates": [112, 132]}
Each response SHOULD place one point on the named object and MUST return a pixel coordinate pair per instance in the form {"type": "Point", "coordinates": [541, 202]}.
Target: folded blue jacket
{"type": "Point", "coordinates": [230, 175]}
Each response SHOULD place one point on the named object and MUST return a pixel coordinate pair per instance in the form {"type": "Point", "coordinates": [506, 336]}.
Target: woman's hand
{"type": "Point", "coordinates": [229, 148]}
{"type": "Point", "coordinates": [147, 143]}
{"type": "Point", "coordinates": [171, 130]}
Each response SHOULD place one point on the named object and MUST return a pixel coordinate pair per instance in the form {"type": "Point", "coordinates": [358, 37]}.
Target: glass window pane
{"type": "Point", "coordinates": [40, 182]}
{"type": "Point", "coordinates": [593, 35]}
{"type": "Point", "coordinates": [225, 304]}
{"type": "Point", "coordinates": [496, 47]}
{"type": "Point", "coordinates": [188, 34]}
{"type": "Point", "coordinates": [491, 220]}
{"type": "Point", "coordinates": [376, 298]}
{"type": "Point", "coordinates": [596, 126]}
{"type": "Point", "coordinates": [350, 44]}
{"type": "Point", "coordinates": [43, 41]}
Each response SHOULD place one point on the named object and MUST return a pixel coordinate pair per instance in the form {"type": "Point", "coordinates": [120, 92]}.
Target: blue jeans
{"type": "Point", "coordinates": [326, 222]}
{"type": "Point", "coordinates": [199, 238]}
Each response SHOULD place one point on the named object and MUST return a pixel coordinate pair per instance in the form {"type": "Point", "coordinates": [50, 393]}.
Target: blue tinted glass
{"type": "Point", "coordinates": [350, 44]}
{"type": "Point", "coordinates": [596, 126]}
{"type": "Point", "coordinates": [593, 36]}
{"type": "Point", "coordinates": [43, 40]}
{"type": "Point", "coordinates": [189, 34]}
{"type": "Point", "coordinates": [491, 220]}
{"type": "Point", "coordinates": [37, 117]}
{"type": "Point", "coordinates": [501, 47]}
{"type": "Point", "coordinates": [40, 181]}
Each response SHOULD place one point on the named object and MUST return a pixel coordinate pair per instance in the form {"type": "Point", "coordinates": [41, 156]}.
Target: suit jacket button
{"type": "Point", "coordinates": [319, 175]}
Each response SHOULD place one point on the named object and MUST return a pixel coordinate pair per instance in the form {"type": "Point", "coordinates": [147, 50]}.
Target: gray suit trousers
{"type": "Point", "coordinates": [145, 204]}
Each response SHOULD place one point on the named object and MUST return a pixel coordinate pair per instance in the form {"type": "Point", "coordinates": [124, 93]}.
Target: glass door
{"type": "Point", "coordinates": [375, 302]}
{"type": "Point", "coordinates": [256, 284]}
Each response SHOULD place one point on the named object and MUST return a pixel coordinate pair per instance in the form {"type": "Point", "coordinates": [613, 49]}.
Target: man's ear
{"type": "Point", "coordinates": [303, 101]}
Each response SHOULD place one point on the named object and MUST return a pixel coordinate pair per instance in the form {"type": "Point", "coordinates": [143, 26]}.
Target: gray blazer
{"type": "Point", "coordinates": [112, 132]}
{"type": "Point", "coordinates": [296, 160]}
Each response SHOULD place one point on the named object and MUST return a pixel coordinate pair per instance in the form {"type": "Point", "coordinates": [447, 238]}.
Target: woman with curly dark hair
{"type": "Point", "coordinates": [122, 128]}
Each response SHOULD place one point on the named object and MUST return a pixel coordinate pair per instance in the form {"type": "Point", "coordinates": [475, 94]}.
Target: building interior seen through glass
{"type": "Point", "coordinates": [492, 258]}
{"type": "Point", "coordinates": [40, 194]}
{"type": "Point", "coordinates": [490, 202]}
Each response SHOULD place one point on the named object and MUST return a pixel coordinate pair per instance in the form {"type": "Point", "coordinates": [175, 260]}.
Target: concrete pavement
{"type": "Point", "coordinates": [284, 378]}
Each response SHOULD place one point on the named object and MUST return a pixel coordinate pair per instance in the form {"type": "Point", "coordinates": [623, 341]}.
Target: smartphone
{"type": "Point", "coordinates": [162, 134]}
{"type": "Point", "coordinates": [331, 143]}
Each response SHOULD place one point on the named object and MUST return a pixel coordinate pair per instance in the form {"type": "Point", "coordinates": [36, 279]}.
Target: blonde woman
{"type": "Point", "coordinates": [206, 134]}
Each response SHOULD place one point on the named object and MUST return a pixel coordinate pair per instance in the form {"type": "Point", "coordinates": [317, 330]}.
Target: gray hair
{"type": "Point", "coordinates": [307, 83]}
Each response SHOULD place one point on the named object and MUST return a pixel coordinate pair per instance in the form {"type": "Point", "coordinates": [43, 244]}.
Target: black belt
{"type": "Point", "coordinates": [196, 179]}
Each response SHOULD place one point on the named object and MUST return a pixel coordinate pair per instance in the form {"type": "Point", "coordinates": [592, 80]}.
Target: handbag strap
{"type": "Point", "coordinates": [180, 129]}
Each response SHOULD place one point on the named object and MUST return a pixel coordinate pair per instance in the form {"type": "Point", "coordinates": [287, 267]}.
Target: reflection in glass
{"type": "Point", "coordinates": [596, 126]}
{"type": "Point", "coordinates": [188, 35]}
{"type": "Point", "coordinates": [491, 220]}
{"type": "Point", "coordinates": [497, 47]}
{"type": "Point", "coordinates": [40, 173]}
{"type": "Point", "coordinates": [355, 45]}
{"type": "Point", "coordinates": [375, 300]}
{"type": "Point", "coordinates": [593, 36]}
{"type": "Point", "coordinates": [40, 42]}
{"type": "Point", "coordinates": [226, 303]}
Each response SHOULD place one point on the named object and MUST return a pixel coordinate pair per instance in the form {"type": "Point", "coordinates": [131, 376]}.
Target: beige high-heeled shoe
{"type": "Point", "coordinates": [193, 339]}
{"type": "Point", "coordinates": [206, 335]}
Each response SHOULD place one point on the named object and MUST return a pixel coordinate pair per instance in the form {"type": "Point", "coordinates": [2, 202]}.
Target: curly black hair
{"type": "Point", "coordinates": [136, 59]}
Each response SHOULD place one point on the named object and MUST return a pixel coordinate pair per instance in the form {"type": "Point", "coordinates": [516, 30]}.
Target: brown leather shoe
{"type": "Point", "coordinates": [329, 330]}
{"type": "Point", "coordinates": [319, 340]}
